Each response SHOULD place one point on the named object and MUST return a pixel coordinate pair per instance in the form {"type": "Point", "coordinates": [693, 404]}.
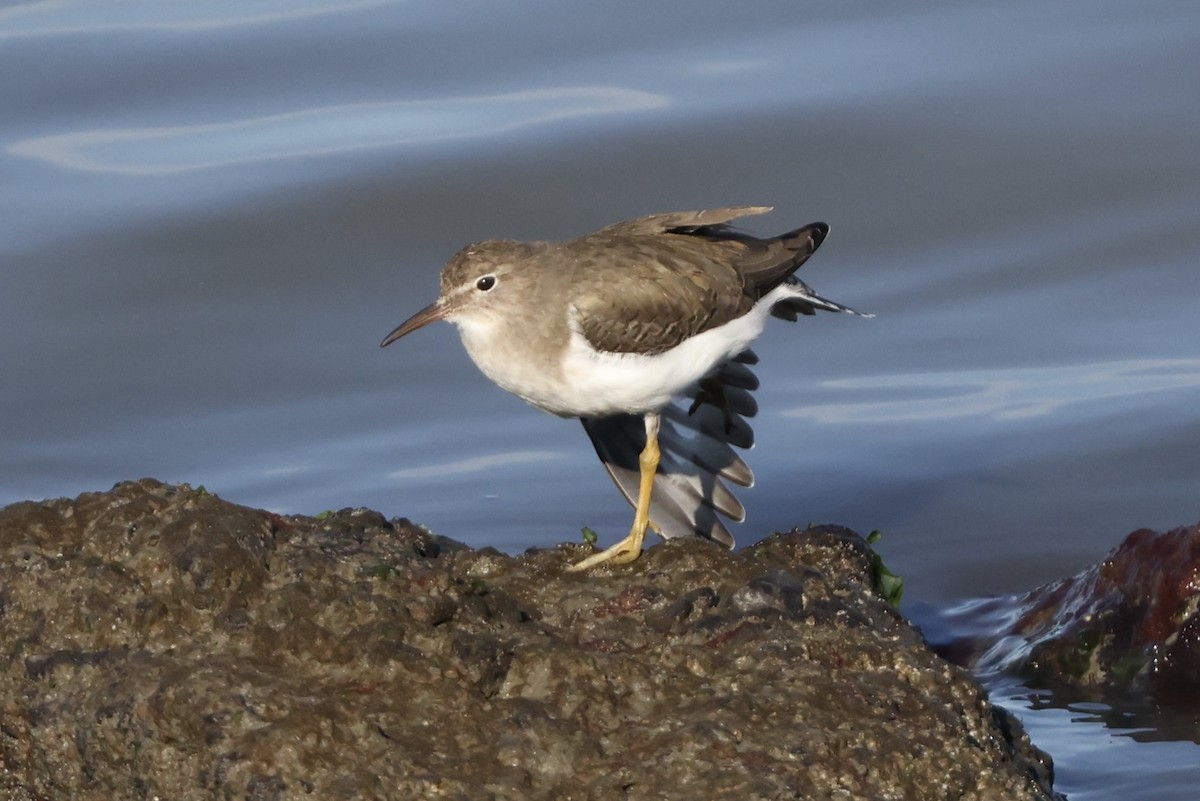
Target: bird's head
{"type": "Point", "coordinates": [480, 285]}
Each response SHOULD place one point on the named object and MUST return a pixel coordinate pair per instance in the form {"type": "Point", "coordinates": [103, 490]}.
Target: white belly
{"type": "Point", "coordinates": [582, 382]}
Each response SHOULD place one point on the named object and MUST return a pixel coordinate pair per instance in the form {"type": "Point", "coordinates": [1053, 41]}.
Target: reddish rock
{"type": "Point", "coordinates": [1131, 622]}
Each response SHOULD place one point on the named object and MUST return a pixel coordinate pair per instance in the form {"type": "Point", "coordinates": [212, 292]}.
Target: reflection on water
{"type": "Point", "coordinates": [1135, 717]}
{"type": "Point", "coordinates": [473, 464]}
{"type": "Point", "coordinates": [58, 18]}
{"type": "Point", "coordinates": [1005, 394]}
{"type": "Point", "coordinates": [325, 131]}
{"type": "Point", "coordinates": [1103, 752]}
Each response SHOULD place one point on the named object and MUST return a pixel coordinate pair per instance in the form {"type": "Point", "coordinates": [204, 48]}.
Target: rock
{"type": "Point", "coordinates": [159, 642]}
{"type": "Point", "coordinates": [1130, 624]}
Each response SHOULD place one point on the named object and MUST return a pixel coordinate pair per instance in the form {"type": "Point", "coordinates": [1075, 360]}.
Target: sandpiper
{"type": "Point", "coordinates": [642, 331]}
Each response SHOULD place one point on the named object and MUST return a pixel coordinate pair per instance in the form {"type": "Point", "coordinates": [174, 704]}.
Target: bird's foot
{"type": "Point", "coordinates": [630, 548]}
{"type": "Point", "coordinates": [624, 552]}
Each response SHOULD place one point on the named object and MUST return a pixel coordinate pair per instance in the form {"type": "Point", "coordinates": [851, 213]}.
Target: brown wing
{"type": "Point", "coordinates": [646, 294]}
{"type": "Point", "coordinates": [681, 221]}
{"type": "Point", "coordinates": [657, 280]}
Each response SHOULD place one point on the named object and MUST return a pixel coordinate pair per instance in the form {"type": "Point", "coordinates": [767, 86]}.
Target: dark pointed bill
{"type": "Point", "coordinates": [430, 314]}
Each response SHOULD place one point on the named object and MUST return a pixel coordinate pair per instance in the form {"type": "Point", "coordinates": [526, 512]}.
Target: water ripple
{"type": "Point", "coordinates": [1006, 394]}
{"type": "Point", "coordinates": [325, 130]}
{"type": "Point", "coordinates": [58, 18]}
{"type": "Point", "coordinates": [474, 464]}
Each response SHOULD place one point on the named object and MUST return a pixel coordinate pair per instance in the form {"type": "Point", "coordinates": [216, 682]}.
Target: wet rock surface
{"type": "Point", "coordinates": [1128, 625]}
{"type": "Point", "coordinates": [158, 642]}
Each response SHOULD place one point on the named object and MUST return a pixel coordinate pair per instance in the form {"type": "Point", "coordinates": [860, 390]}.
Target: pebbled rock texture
{"type": "Point", "coordinates": [157, 642]}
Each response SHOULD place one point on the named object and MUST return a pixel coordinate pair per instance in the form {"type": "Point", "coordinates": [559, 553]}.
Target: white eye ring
{"type": "Point", "coordinates": [485, 283]}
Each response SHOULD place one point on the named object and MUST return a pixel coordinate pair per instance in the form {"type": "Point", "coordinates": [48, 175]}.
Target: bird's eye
{"type": "Point", "coordinates": [485, 283]}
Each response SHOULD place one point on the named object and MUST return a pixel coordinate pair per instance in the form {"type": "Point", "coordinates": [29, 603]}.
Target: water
{"type": "Point", "coordinates": [211, 213]}
{"type": "Point", "coordinates": [1103, 752]}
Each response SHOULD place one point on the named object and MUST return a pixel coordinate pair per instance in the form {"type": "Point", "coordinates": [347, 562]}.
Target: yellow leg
{"type": "Point", "coordinates": [630, 548]}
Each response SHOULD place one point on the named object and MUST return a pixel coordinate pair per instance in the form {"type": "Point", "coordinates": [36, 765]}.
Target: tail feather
{"type": "Point", "coordinates": [803, 300]}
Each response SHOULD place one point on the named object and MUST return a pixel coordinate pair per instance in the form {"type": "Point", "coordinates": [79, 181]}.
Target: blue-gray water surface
{"type": "Point", "coordinates": [211, 213]}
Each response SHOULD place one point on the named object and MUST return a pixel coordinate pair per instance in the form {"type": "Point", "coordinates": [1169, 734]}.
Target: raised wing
{"type": "Point", "coordinates": [682, 221]}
